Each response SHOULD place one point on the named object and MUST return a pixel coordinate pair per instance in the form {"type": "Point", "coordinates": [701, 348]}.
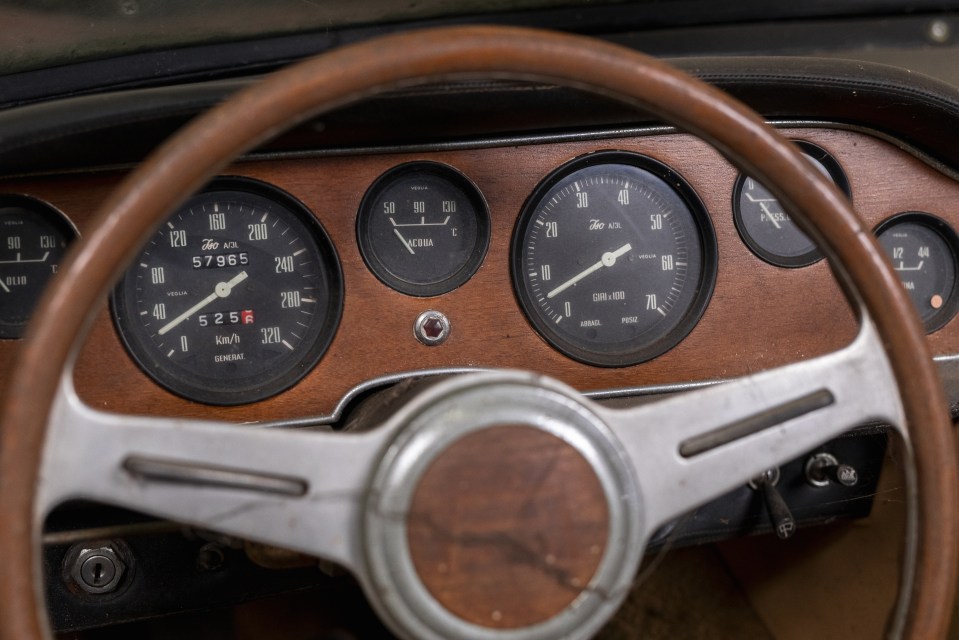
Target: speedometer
{"type": "Point", "coordinates": [235, 298]}
{"type": "Point", "coordinates": [614, 259]}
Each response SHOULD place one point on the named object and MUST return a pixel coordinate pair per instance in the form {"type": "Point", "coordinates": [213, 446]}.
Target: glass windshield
{"type": "Point", "coordinates": [46, 33]}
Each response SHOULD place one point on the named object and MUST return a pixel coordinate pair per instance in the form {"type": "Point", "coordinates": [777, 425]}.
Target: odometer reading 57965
{"type": "Point", "coordinates": [234, 298]}
{"type": "Point", "coordinates": [613, 259]}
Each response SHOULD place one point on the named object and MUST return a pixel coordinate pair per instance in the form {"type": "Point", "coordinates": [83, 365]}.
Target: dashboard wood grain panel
{"type": "Point", "coordinates": [760, 316]}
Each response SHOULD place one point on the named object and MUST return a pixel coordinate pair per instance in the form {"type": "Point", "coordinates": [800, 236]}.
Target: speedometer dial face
{"type": "Point", "coordinates": [614, 259]}
{"type": "Point", "coordinates": [235, 298]}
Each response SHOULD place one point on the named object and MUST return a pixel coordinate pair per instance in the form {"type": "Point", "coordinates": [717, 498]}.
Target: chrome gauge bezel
{"type": "Point", "coordinates": [701, 288]}
{"type": "Point", "coordinates": [286, 372]}
{"type": "Point", "coordinates": [949, 237]}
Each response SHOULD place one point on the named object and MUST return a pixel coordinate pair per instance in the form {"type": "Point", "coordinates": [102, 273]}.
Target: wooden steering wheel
{"type": "Point", "coordinates": [377, 501]}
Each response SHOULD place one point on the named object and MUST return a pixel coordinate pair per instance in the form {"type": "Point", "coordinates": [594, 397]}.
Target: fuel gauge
{"type": "Point", "coordinates": [33, 238]}
{"type": "Point", "coordinates": [924, 250]}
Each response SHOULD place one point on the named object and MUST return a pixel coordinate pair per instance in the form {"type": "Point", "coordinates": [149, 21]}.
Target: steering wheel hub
{"type": "Point", "coordinates": [501, 504]}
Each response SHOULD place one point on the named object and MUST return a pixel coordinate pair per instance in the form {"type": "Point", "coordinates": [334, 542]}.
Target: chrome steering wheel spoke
{"type": "Point", "coordinates": [696, 446]}
{"type": "Point", "coordinates": [294, 489]}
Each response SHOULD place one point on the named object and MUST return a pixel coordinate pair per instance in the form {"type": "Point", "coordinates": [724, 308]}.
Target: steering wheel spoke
{"type": "Point", "coordinates": [694, 447]}
{"type": "Point", "coordinates": [299, 490]}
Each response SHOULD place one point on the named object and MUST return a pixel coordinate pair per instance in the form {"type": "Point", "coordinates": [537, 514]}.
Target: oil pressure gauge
{"type": "Point", "coordinates": [766, 228]}
{"type": "Point", "coordinates": [423, 228]}
{"type": "Point", "coordinates": [924, 250]}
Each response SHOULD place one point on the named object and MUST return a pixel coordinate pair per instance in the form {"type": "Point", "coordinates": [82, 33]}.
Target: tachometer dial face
{"type": "Point", "coordinates": [235, 297]}
{"type": "Point", "coordinates": [423, 228]}
{"type": "Point", "coordinates": [766, 228]}
{"type": "Point", "coordinates": [924, 251]}
{"type": "Point", "coordinates": [614, 259]}
{"type": "Point", "coordinates": [33, 240]}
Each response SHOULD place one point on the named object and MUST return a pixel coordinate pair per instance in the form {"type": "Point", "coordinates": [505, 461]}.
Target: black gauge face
{"type": "Point", "coordinates": [614, 259]}
{"type": "Point", "coordinates": [423, 228]}
{"type": "Point", "coordinates": [235, 297]}
{"type": "Point", "coordinates": [923, 250]}
{"type": "Point", "coordinates": [33, 239]}
{"type": "Point", "coordinates": [766, 228]}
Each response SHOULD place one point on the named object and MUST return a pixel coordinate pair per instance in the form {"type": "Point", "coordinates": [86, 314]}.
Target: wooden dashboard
{"type": "Point", "coordinates": [759, 315]}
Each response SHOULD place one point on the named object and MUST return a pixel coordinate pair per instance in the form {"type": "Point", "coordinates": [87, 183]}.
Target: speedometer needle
{"type": "Point", "coordinates": [221, 290]}
{"type": "Point", "coordinates": [608, 260]}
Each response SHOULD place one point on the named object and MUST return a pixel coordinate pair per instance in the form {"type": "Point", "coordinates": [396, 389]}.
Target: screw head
{"type": "Point", "coordinates": [431, 328]}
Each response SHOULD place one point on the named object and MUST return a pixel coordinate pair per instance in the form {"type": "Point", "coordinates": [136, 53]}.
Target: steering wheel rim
{"type": "Point", "coordinates": [188, 160]}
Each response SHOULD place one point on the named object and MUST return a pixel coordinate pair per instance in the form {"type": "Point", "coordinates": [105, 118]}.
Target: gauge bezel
{"type": "Point", "coordinates": [59, 221]}
{"type": "Point", "coordinates": [836, 174]}
{"type": "Point", "coordinates": [703, 286]}
{"type": "Point", "coordinates": [382, 270]}
{"type": "Point", "coordinates": [268, 383]}
{"type": "Point", "coordinates": [945, 231]}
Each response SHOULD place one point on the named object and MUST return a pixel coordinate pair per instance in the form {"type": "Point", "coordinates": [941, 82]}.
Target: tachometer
{"type": "Point", "coordinates": [614, 259]}
{"type": "Point", "coordinates": [235, 298]}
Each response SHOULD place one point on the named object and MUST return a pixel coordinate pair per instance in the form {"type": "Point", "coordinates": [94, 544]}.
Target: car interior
{"type": "Point", "coordinates": [499, 320]}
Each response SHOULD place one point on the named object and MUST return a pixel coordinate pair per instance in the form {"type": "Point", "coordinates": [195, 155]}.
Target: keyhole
{"type": "Point", "coordinates": [97, 573]}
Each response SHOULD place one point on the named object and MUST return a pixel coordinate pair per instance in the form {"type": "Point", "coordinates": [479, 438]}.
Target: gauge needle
{"type": "Point", "coordinates": [769, 216]}
{"type": "Point", "coordinates": [221, 290]}
{"type": "Point", "coordinates": [608, 260]}
{"type": "Point", "coordinates": [403, 240]}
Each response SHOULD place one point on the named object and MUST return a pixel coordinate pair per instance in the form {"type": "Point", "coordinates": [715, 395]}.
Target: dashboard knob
{"type": "Point", "coordinates": [823, 468]}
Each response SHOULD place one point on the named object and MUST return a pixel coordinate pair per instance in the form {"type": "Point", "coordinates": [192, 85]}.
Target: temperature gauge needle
{"type": "Point", "coordinates": [403, 240]}
{"type": "Point", "coordinates": [221, 290]}
{"type": "Point", "coordinates": [608, 260]}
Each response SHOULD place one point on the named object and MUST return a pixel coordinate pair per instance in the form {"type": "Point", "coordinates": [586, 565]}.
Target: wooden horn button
{"type": "Point", "coordinates": [507, 526]}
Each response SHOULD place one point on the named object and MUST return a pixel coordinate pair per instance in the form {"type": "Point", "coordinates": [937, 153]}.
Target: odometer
{"type": "Point", "coordinates": [235, 298]}
{"type": "Point", "coordinates": [614, 259]}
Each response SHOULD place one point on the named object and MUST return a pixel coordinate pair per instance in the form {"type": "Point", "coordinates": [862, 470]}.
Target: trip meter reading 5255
{"type": "Point", "coordinates": [614, 259]}
{"type": "Point", "coordinates": [235, 298]}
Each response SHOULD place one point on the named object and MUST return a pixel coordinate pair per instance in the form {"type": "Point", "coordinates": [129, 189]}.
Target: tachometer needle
{"type": "Point", "coordinates": [221, 290]}
{"type": "Point", "coordinates": [608, 260]}
{"type": "Point", "coordinates": [403, 240]}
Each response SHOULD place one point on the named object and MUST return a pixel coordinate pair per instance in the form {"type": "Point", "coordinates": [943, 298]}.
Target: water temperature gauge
{"type": "Point", "coordinates": [924, 250]}
{"type": "Point", "coordinates": [423, 228]}
{"type": "Point", "coordinates": [33, 238]}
